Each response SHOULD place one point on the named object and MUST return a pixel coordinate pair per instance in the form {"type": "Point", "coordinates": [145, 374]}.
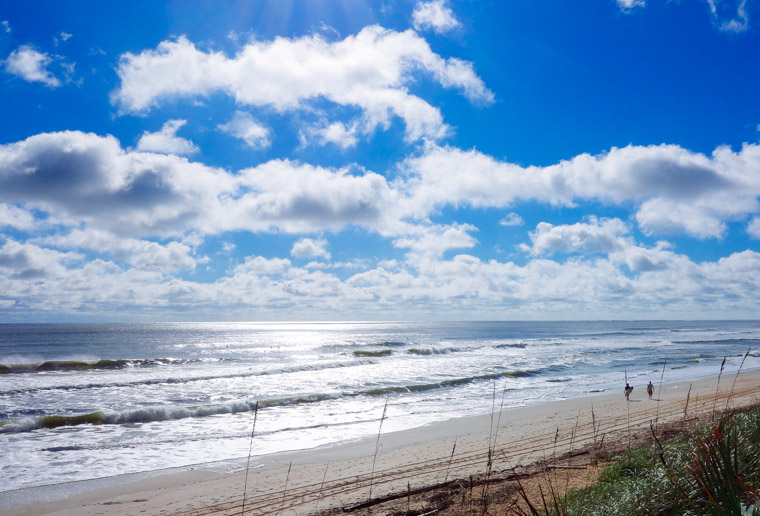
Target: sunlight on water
{"type": "Point", "coordinates": [85, 401]}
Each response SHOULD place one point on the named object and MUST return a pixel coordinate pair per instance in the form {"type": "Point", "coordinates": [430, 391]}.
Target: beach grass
{"type": "Point", "coordinates": [711, 468]}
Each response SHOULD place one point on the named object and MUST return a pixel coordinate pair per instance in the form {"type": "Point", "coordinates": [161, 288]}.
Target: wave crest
{"type": "Point", "coordinates": [81, 365]}
{"type": "Point", "coordinates": [166, 413]}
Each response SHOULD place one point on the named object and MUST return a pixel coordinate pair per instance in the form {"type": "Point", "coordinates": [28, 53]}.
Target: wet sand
{"type": "Point", "coordinates": [344, 475]}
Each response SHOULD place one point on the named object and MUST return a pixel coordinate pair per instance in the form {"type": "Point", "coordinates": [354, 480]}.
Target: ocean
{"type": "Point", "coordinates": [87, 401]}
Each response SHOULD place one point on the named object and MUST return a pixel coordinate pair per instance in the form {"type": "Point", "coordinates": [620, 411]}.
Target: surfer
{"type": "Point", "coordinates": [650, 390]}
{"type": "Point", "coordinates": [628, 390]}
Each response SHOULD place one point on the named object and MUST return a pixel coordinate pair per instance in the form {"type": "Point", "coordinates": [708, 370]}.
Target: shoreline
{"type": "Point", "coordinates": [340, 475]}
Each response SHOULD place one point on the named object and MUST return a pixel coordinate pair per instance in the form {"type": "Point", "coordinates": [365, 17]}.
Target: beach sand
{"type": "Point", "coordinates": [343, 476]}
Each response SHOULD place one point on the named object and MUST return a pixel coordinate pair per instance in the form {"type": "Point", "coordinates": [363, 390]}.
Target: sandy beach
{"type": "Point", "coordinates": [345, 475]}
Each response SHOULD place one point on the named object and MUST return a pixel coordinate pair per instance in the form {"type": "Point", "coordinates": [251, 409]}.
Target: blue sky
{"type": "Point", "coordinates": [334, 160]}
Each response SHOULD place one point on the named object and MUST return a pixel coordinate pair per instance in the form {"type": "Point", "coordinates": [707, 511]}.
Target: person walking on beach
{"type": "Point", "coordinates": [650, 389]}
{"type": "Point", "coordinates": [628, 391]}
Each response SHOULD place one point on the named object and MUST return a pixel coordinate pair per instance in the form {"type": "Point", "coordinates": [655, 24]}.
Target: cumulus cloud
{"type": "Point", "coordinates": [370, 71]}
{"type": "Point", "coordinates": [15, 217]}
{"type": "Point", "coordinates": [243, 126]}
{"type": "Point", "coordinates": [78, 176]}
{"type": "Point", "coordinates": [434, 15]}
{"type": "Point", "coordinates": [492, 288]}
{"type": "Point", "coordinates": [300, 198]}
{"type": "Point", "coordinates": [512, 219]}
{"type": "Point", "coordinates": [31, 65]}
{"type": "Point", "coordinates": [74, 176]}
{"type": "Point", "coordinates": [753, 227]}
{"type": "Point", "coordinates": [427, 244]}
{"type": "Point", "coordinates": [166, 140]}
{"type": "Point", "coordinates": [310, 248]}
{"type": "Point", "coordinates": [141, 254]}
{"type": "Point", "coordinates": [26, 261]}
{"type": "Point", "coordinates": [675, 189]}
{"type": "Point", "coordinates": [143, 214]}
{"type": "Point", "coordinates": [343, 135]}
{"type": "Point", "coordinates": [608, 237]}
{"type": "Point", "coordinates": [596, 236]}
{"type": "Point", "coordinates": [628, 5]}
{"type": "Point", "coordinates": [463, 284]}
{"type": "Point", "coordinates": [642, 259]}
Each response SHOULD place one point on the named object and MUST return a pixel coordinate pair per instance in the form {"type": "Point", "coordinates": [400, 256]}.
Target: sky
{"type": "Point", "coordinates": [379, 160]}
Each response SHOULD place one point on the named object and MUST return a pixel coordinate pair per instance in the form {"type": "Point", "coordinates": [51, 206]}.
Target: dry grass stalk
{"type": "Point", "coordinates": [321, 486]}
{"type": "Point", "coordinates": [285, 490]}
{"type": "Point", "coordinates": [715, 402]}
{"type": "Point", "coordinates": [659, 396]}
{"type": "Point", "coordinates": [492, 439]}
{"type": "Point", "coordinates": [686, 406]}
{"type": "Point", "coordinates": [731, 393]}
{"type": "Point", "coordinates": [250, 448]}
{"type": "Point", "coordinates": [448, 466]}
{"type": "Point", "coordinates": [377, 446]}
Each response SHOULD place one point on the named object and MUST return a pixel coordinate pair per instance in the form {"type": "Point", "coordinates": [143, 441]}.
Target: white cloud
{"type": "Point", "coordinates": [31, 65]}
{"type": "Point", "coordinates": [730, 15]}
{"type": "Point", "coordinates": [263, 266]}
{"type": "Point", "coordinates": [6, 26]}
{"type": "Point", "coordinates": [627, 5]}
{"type": "Point", "coordinates": [141, 254]}
{"type": "Point", "coordinates": [428, 243]}
{"type": "Point", "coordinates": [434, 15]}
{"type": "Point", "coordinates": [676, 190]}
{"type": "Point", "coordinates": [300, 198]}
{"type": "Point", "coordinates": [753, 227]}
{"type": "Point", "coordinates": [664, 216]}
{"type": "Point", "coordinates": [337, 133]}
{"type": "Point", "coordinates": [26, 261]}
{"type": "Point", "coordinates": [161, 206]}
{"type": "Point", "coordinates": [74, 176]}
{"type": "Point", "coordinates": [15, 217]}
{"type": "Point", "coordinates": [243, 126]}
{"type": "Point", "coordinates": [512, 219]}
{"type": "Point", "coordinates": [62, 37]}
{"type": "Point", "coordinates": [596, 236]}
{"type": "Point", "coordinates": [370, 71]}
{"type": "Point", "coordinates": [166, 140]}
{"type": "Point", "coordinates": [641, 259]}
{"type": "Point", "coordinates": [600, 236]}
{"type": "Point", "coordinates": [598, 287]}
{"type": "Point", "coordinates": [309, 248]}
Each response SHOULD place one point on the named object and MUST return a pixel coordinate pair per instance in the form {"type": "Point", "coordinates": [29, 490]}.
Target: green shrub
{"type": "Point", "coordinates": [712, 469]}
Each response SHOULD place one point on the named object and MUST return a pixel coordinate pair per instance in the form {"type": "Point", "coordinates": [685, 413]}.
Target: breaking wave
{"type": "Point", "coordinates": [367, 353]}
{"type": "Point", "coordinates": [159, 381]}
{"type": "Point", "coordinates": [81, 365]}
{"type": "Point", "coordinates": [432, 351]}
{"type": "Point", "coordinates": [720, 341]}
{"type": "Point", "coordinates": [167, 413]}
{"type": "Point", "coordinates": [518, 345]}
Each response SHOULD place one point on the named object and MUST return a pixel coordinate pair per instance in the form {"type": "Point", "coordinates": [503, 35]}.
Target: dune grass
{"type": "Point", "coordinates": [713, 468]}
